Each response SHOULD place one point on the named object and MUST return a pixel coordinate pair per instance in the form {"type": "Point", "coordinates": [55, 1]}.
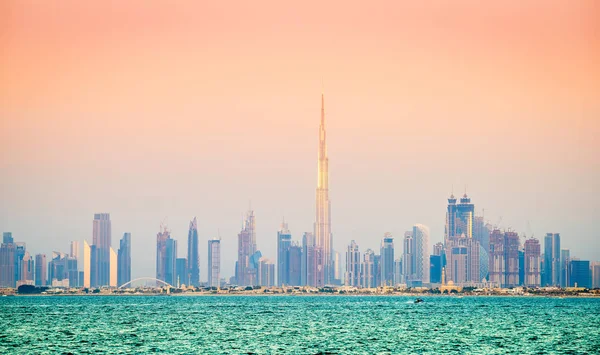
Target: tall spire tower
{"type": "Point", "coordinates": [323, 236]}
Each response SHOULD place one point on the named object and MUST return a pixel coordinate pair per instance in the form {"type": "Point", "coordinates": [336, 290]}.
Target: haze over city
{"type": "Point", "coordinates": [155, 113]}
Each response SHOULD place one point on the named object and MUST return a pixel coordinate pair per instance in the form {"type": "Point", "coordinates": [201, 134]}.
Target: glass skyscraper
{"type": "Point", "coordinates": [193, 259]}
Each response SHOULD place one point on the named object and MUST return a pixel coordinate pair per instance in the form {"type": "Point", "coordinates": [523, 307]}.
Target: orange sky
{"type": "Point", "coordinates": [155, 109]}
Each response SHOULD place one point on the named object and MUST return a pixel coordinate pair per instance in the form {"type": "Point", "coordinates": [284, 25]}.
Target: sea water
{"type": "Point", "coordinates": [298, 325]}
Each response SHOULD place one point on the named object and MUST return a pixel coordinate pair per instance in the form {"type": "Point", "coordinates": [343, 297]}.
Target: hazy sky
{"type": "Point", "coordinates": [155, 111]}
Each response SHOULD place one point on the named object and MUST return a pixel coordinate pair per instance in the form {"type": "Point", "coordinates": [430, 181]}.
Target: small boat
{"type": "Point", "coordinates": [419, 300]}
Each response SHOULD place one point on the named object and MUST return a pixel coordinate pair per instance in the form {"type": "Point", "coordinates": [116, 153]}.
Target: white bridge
{"type": "Point", "coordinates": [157, 281]}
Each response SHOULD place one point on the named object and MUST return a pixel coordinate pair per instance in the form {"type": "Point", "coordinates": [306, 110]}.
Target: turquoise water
{"type": "Point", "coordinates": [298, 325]}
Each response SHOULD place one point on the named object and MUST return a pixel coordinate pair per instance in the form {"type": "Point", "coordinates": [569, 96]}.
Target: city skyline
{"type": "Point", "coordinates": [174, 125]}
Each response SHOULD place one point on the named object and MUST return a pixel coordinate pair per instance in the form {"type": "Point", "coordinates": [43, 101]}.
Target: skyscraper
{"type": "Point", "coordinates": [74, 250]}
{"type": "Point", "coordinates": [27, 269]}
{"type": "Point", "coordinates": [41, 273]}
{"type": "Point", "coordinates": [353, 276]}
{"type": "Point", "coordinates": [114, 272]}
{"type": "Point", "coordinates": [595, 266]}
{"type": "Point", "coordinates": [323, 235]}
{"type": "Point", "coordinates": [532, 263]}
{"type": "Point", "coordinates": [387, 260]}
{"type": "Point", "coordinates": [193, 259]}
{"type": "Point", "coordinates": [462, 251]}
{"type": "Point", "coordinates": [551, 260]}
{"type": "Point", "coordinates": [565, 272]}
{"type": "Point", "coordinates": [181, 272]}
{"type": "Point", "coordinates": [408, 258]}
{"type": "Point", "coordinates": [7, 261]}
{"type": "Point", "coordinates": [214, 262]}
{"type": "Point", "coordinates": [284, 242]}
{"type": "Point", "coordinates": [19, 254]}
{"type": "Point", "coordinates": [295, 265]}
{"type": "Point", "coordinates": [166, 255]}
{"type": "Point", "coordinates": [580, 274]}
{"type": "Point", "coordinates": [102, 239]}
{"type": "Point", "coordinates": [266, 272]}
{"type": "Point", "coordinates": [246, 271]}
{"type": "Point", "coordinates": [435, 269]}
{"type": "Point", "coordinates": [63, 267]}
{"type": "Point", "coordinates": [368, 269]}
{"type": "Point", "coordinates": [124, 260]}
{"type": "Point", "coordinates": [420, 235]}
{"type": "Point", "coordinates": [504, 258]}
{"type": "Point", "coordinates": [87, 265]}
{"type": "Point", "coordinates": [308, 259]}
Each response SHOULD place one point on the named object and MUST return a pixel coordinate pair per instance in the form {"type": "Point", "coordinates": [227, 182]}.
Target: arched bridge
{"type": "Point", "coordinates": [146, 279]}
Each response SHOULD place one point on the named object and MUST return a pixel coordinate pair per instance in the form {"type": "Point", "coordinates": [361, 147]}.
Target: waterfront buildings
{"type": "Point", "coordinates": [166, 256]}
{"type": "Point", "coordinates": [551, 271]}
{"type": "Point", "coordinates": [124, 260]}
{"type": "Point", "coordinates": [284, 242]}
{"type": "Point", "coordinates": [27, 270]}
{"type": "Point", "coordinates": [193, 259]}
{"type": "Point", "coordinates": [63, 268]}
{"type": "Point", "coordinates": [462, 251]}
{"type": "Point", "coordinates": [266, 272]}
{"type": "Point", "coordinates": [246, 270]}
{"type": "Point", "coordinates": [435, 269]}
{"type": "Point", "coordinates": [420, 236]}
{"type": "Point", "coordinates": [353, 267]}
{"type": "Point", "coordinates": [565, 262]}
{"type": "Point", "coordinates": [7, 261]}
{"type": "Point", "coordinates": [323, 236]}
{"type": "Point", "coordinates": [580, 275]}
{"type": "Point", "coordinates": [532, 263]}
{"type": "Point", "coordinates": [368, 270]}
{"type": "Point", "coordinates": [113, 268]}
{"type": "Point", "coordinates": [41, 272]}
{"type": "Point", "coordinates": [295, 265]}
{"type": "Point", "coordinates": [214, 262]}
{"type": "Point", "coordinates": [504, 258]}
{"type": "Point", "coordinates": [310, 254]}
{"type": "Point", "coordinates": [408, 258]}
{"type": "Point", "coordinates": [387, 260]}
{"type": "Point", "coordinates": [181, 272]}
{"type": "Point", "coordinates": [102, 240]}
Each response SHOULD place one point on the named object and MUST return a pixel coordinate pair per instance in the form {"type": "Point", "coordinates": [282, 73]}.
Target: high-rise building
{"type": "Point", "coordinates": [435, 269]}
{"type": "Point", "coordinates": [166, 256]}
{"type": "Point", "coordinates": [551, 260]}
{"type": "Point", "coordinates": [420, 235]}
{"type": "Point", "coordinates": [408, 258]}
{"type": "Point", "coordinates": [114, 272]}
{"type": "Point", "coordinates": [284, 242]}
{"type": "Point", "coordinates": [398, 276]}
{"type": "Point", "coordinates": [7, 261]}
{"type": "Point", "coordinates": [27, 269]}
{"type": "Point", "coordinates": [20, 249]}
{"type": "Point", "coordinates": [181, 272]}
{"type": "Point", "coordinates": [266, 272]}
{"type": "Point", "coordinates": [462, 252]}
{"type": "Point", "coordinates": [87, 265]}
{"type": "Point", "coordinates": [295, 265]}
{"type": "Point", "coordinates": [63, 267]}
{"type": "Point", "coordinates": [102, 239]}
{"type": "Point", "coordinates": [387, 260]}
{"type": "Point", "coordinates": [462, 260]}
{"type": "Point", "coordinates": [580, 274]}
{"type": "Point", "coordinates": [438, 249]}
{"type": "Point", "coordinates": [308, 260]}
{"type": "Point", "coordinates": [124, 260]}
{"type": "Point", "coordinates": [214, 262]}
{"type": "Point", "coordinates": [368, 269]}
{"type": "Point", "coordinates": [246, 269]}
{"type": "Point", "coordinates": [337, 267]}
{"type": "Point", "coordinates": [481, 232]}
{"type": "Point", "coordinates": [353, 276]}
{"type": "Point", "coordinates": [460, 217]}
{"type": "Point", "coordinates": [532, 263]}
{"type": "Point", "coordinates": [193, 260]}
{"type": "Point", "coordinates": [323, 235]}
{"type": "Point", "coordinates": [504, 258]}
{"type": "Point", "coordinates": [41, 273]}
{"type": "Point", "coordinates": [595, 268]}
{"type": "Point", "coordinates": [74, 253]}
{"type": "Point", "coordinates": [565, 272]}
